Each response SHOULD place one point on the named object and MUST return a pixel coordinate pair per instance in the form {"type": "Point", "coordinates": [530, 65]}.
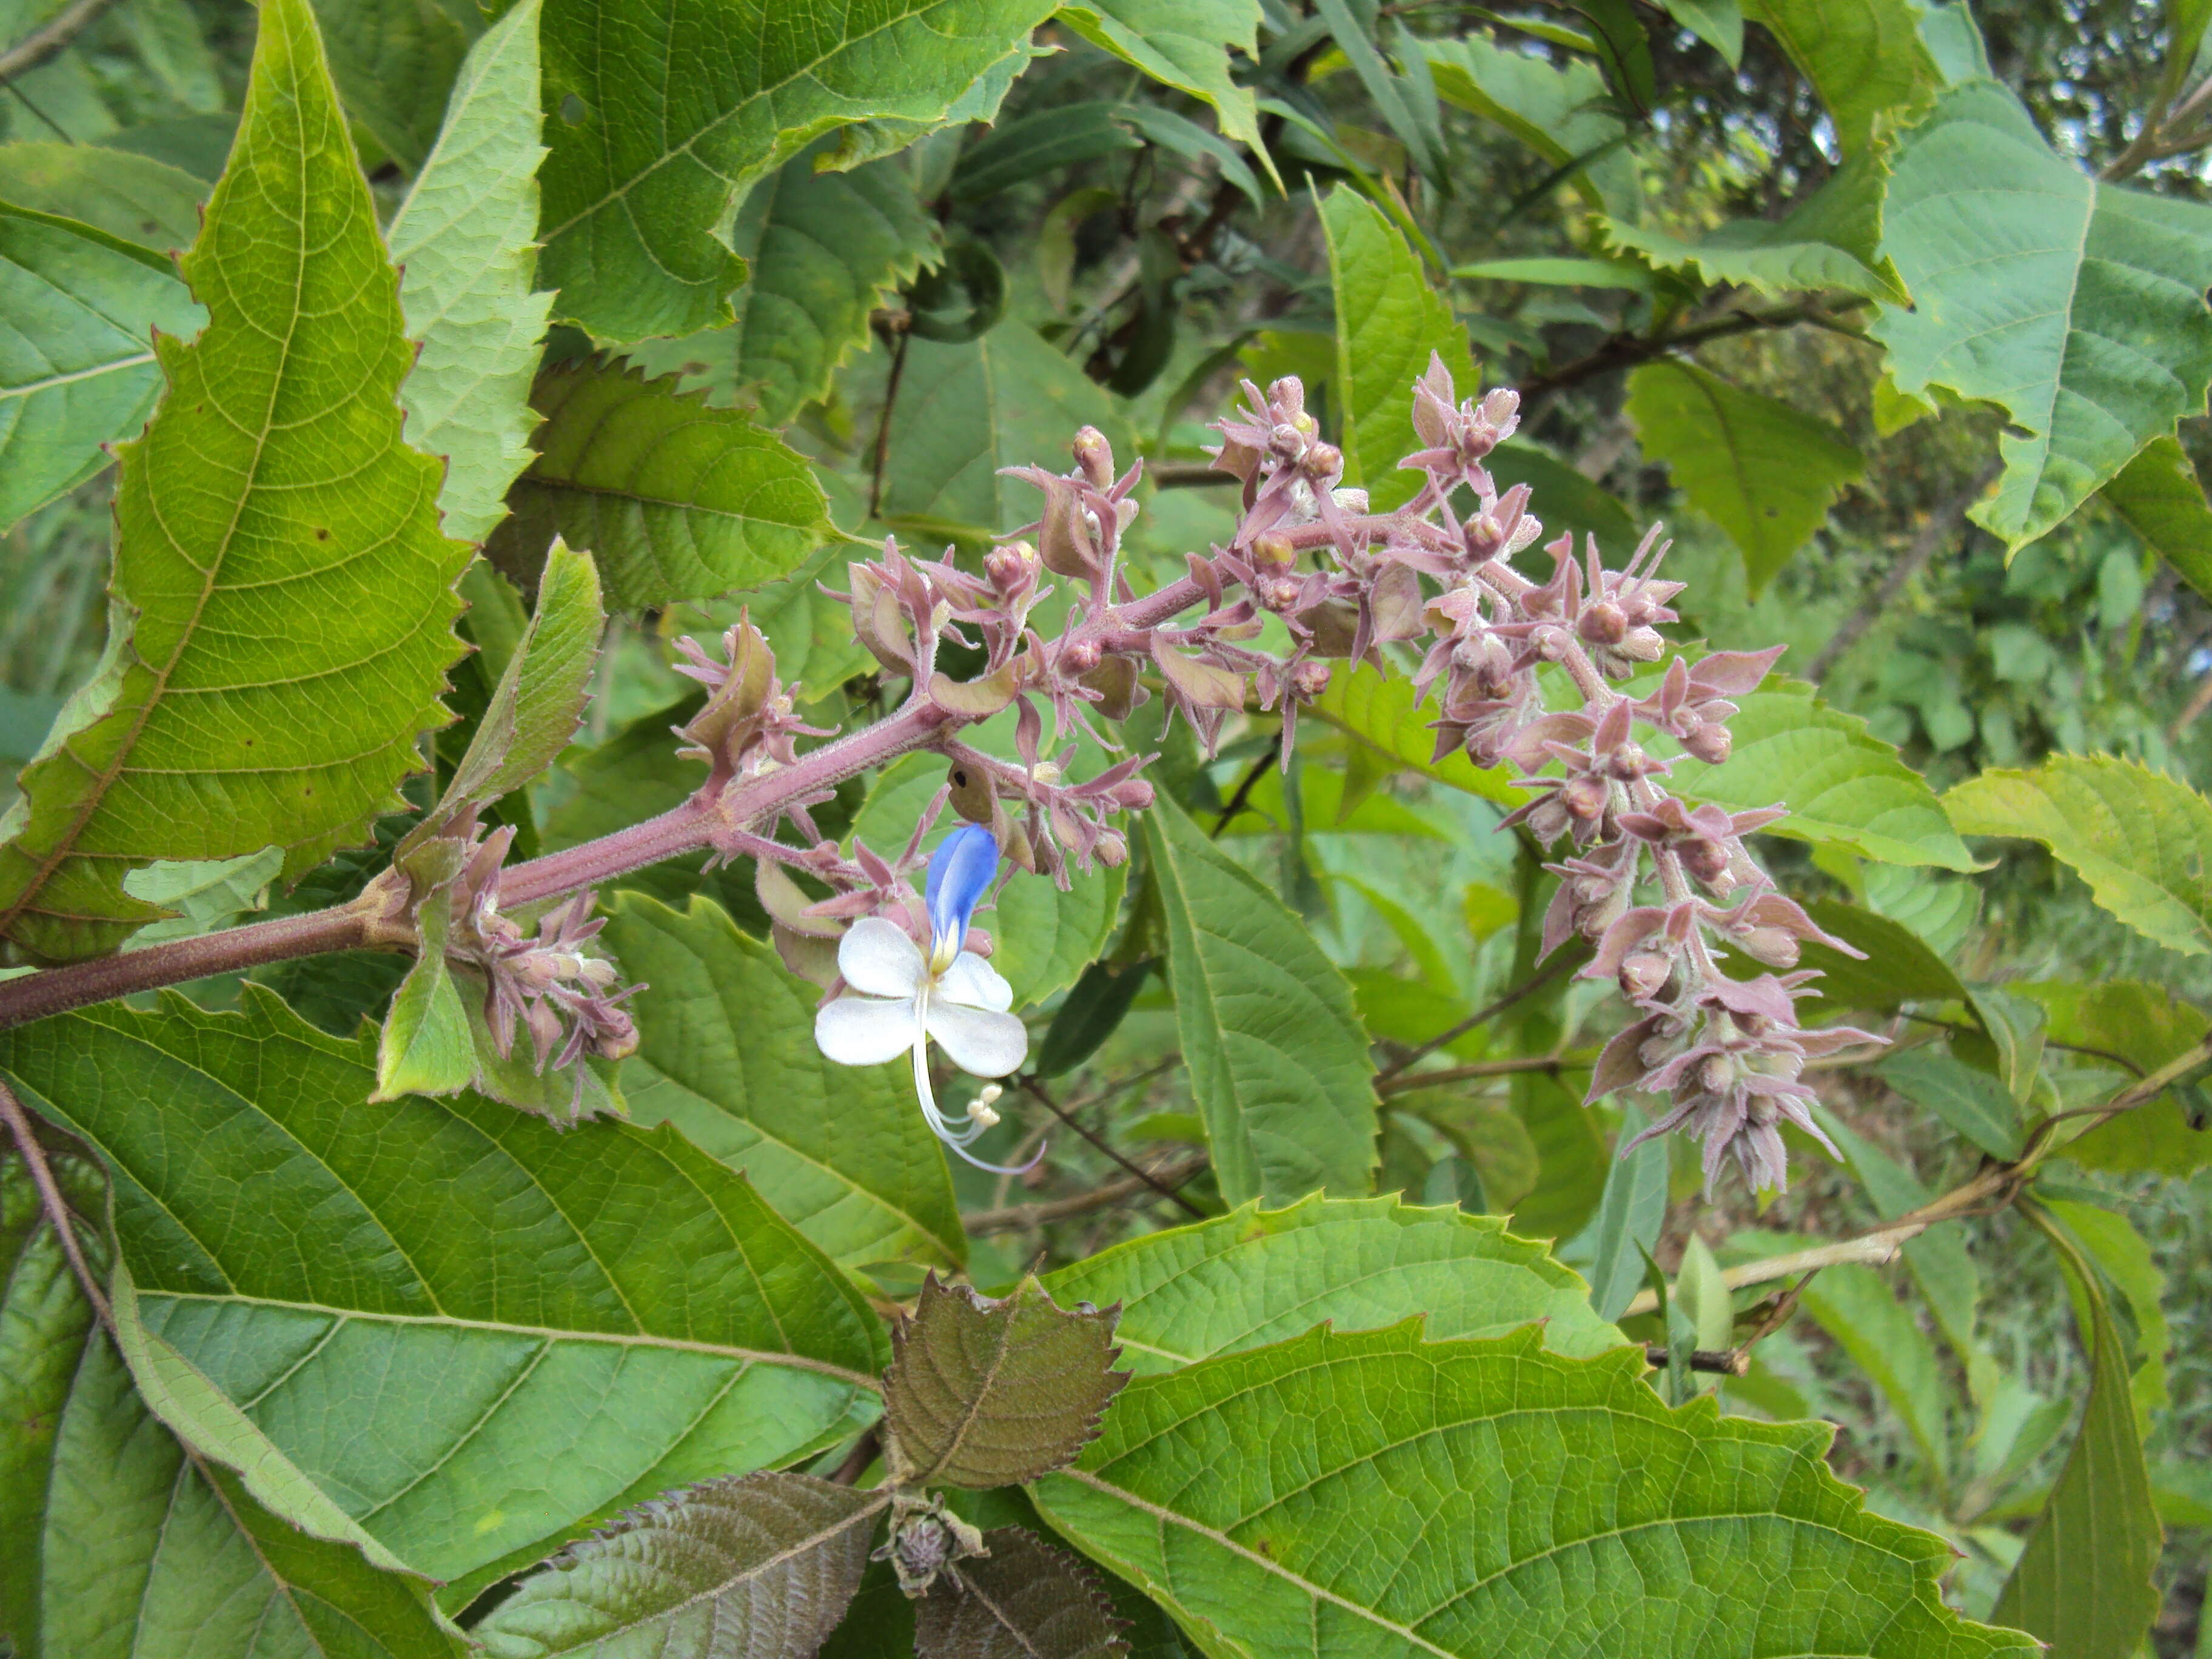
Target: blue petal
{"type": "Point", "coordinates": [960, 872]}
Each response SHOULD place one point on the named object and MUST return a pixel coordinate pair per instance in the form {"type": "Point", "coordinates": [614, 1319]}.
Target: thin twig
{"type": "Point", "coordinates": [1627, 350]}
{"type": "Point", "coordinates": [1995, 1187]}
{"type": "Point", "coordinates": [1941, 525]}
{"type": "Point", "coordinates": [1732, 1362]}
{"type": "Point", "coordinates": [51, 1201]}
{"type": "Point", "coordinates": [1529, 986]}
{"type": "Point", "coordinates": [1246, 785]}
{"type": "Point", "coordinates": [1137, 1169]}
{"type": "Point", "coordinates": [1776, 1318]}
{"type": "Point", "coordinates": [1402, 1082]}
{"type": "Point", "coordinates": [51, 37]}
{"type": "Point", "coordinates": [1020, 1218]}
{"type": "Point", "coordinates": [865, 1451]}
{"type": "Point", "coordinates": [883, 425]}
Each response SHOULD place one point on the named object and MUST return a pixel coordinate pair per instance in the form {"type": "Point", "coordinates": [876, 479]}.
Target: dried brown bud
{"type": "Point", "coordinates": [973, 797]}
{"type": "Point", "coordinates": [1115, 680]}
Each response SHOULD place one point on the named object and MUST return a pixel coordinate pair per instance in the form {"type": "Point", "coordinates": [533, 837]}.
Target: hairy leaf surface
{"type": "Point", "coordinates": [673, 499]}
{"type": "Point", "coordinates": [1389, 321]}
{"type": "Point", "coordinates": [558, 1325]}
{"type": "Point", "coordinates": [1025, 1600]}
{"type": "Point", "coordinates": [985, 1392]}
{"type": "Point", "coordinates": [657, 133]}
{"type": "Point", "coordinates": [1378, 1494]}
{"type": "Point", "coordinates": [756, 1566]}
{"type": "Point", "coordinates": [76, 363]}
{"type": "Point", "coordinates": [113, 1540]}
{"type": "Point", "coordinates": [465, 241]}
{"type": "Point", "coordinates": [2142, 842]}
{"type": "Point", "coordinates": [1763, 472]}
{"type": "Point", "coordinates": [1278, 1060]}
{"type": "Point", "coordinates": [2077, 305]}
{"type": "Point", "coordinates": [726, 1054]}
{"type": "Point", "coordinates": [1841, 783]}
{"type": "Point", "coordinates": [1257, 1276]}
{"type": "Point", "coordinates": [277, 541]}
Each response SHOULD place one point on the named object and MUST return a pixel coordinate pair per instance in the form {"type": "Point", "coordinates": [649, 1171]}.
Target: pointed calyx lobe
{"type": "Point", "coordinates": [983, 1394]}
{"type": "Point", "coordinates": [277, 540]}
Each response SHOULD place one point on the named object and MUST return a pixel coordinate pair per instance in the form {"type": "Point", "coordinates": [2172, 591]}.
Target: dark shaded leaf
{"type": "Point", "coordinates": [989, 1394]}
{"type": "Point", "coordinates": [757, 1566]}
{"type": "Point", "coordinates": [1025, 1600]}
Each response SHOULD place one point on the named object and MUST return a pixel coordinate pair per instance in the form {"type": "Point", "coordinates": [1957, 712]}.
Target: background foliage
{"type": "Point", "coordinates": [1894, 311]}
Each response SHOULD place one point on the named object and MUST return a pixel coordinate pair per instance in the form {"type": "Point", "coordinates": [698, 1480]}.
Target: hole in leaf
{"type": "Point", "coordinates": [573, 110]}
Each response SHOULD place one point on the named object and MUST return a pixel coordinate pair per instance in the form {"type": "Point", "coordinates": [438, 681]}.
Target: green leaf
{"type": "Point", "coordinates": [823, 250]}
{"type": "Point", "coordinates": [394, 62]}
{"type": "Point", "coordinates": [983, 1393]}
{"type": "Point", "coordinates": [203, 895]}
{"type": "Point", "coordinates": [1364, 702]}
{"type": "Point", "coordinates": [726, 1054]}
{"type": "Point", "coordinates": [1630, 1215]}
{"type": "Point", "coordinates": [1856, 1306]}
{"type": "Point", "coordinates": [1312, 1498]}
{"type": "Point", "coordinates": [1896, 966]}
{"type": "Point", "coordinates": [107, 1524]}
{"type": "Point", "coordinates": [1830, 241]}
{"type": "Point", "coordinates": [1389, 321]}
{"type": "Point", "coordinates": [135, 198]}
{"type": "Point", "coordinates": [756, 1566]}
{"type": "Point", "coordinates": [465, 241]}
{"type": "Point", "coordinates": [1561, 111]}
{"type": "Point", "coordinates": [1005, 398]}
{"type": "Point", "coordinates": [1764, 472]}
{"type": "Point", "coordinates": [535, 707]}
{"type": "Point", "coordinates": [2142, 842]}
{"type": "Point", "coordinates": [2076, 306]}
{"type": "Point", "coordinates": [1256, 1276]}
{"type": "Point", "coordinates": [1843, 786]}
{"type": "Point", "coordinates": [2161, 498]}
{"type": "Point", "coordinates": [1865, 58]}
{"type": "Point", "coordinates": [1183, 44]}
{"type": "Point", "coordinates": [562, 1323]}
{"type": "Point", "coordinates": [674, 500]}
{"type": "Point", "coordinates": [1278, 1061]}
{"type": "Point", "coordinates": [76, 367]}
{"type": "Point", "coordinates": [2149, 1026]}
{"type": "Point", "coordinates": [2124, 1257]}
{"type": "Point", "coordinates": [2083, 1584]}
{"type": "Point", "coordinates": [1718, 23]}
{"type": "Point", "coordinates": [426, 1047]}
{"type": "Point", "coordinates": [1571, 1157]}
{"type": "Point", "coordinates": [1022, 1599]}
{"type": "Point", "coordinates": [1971, 1103]}
{"type": "Point", "coordinates": [655, 137]}
{"type": "Point", "coordinates": [294, 597]}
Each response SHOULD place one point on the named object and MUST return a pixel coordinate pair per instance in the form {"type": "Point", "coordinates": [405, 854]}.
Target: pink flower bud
{"type": "Point", "coordinates": [1709, 742]}
{"type": "Point", "coordinates": [1095, 457]}
{"type": "Point", "coordinates": [1602, 623]}
{"type": "Point", "coordinates": [1309, 679]}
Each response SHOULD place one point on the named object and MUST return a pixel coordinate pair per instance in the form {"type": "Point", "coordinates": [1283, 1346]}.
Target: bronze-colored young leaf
{"type": "Point", "coordinates": [759, 1567]}
{"type": "Point", "coordinates": [1025, 1600]}
{"type": "Point", "coordinates": [984, 1393]}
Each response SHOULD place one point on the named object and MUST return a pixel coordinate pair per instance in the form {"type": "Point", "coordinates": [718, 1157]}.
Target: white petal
{"type": "Point", "coordinates": [877, 956]}
{"type": "Point", "coordinates": [864, 1031]}
{"type": "Point", "coordinates": [973, 981]}
{"type": "Point", "coordinates": [980, 1041]}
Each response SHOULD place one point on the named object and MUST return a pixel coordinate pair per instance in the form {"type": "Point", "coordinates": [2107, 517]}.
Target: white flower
{"type": "Point", "coordinates": [901, 999]}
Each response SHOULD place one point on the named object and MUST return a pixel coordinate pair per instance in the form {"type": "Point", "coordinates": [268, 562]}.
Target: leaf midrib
{"type": "Point", "coordinates": [104, 781]}
{"type": "Point", "coordinates": [31, 388]}
{"type": "Point", "coordinates": [549, 1333]}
